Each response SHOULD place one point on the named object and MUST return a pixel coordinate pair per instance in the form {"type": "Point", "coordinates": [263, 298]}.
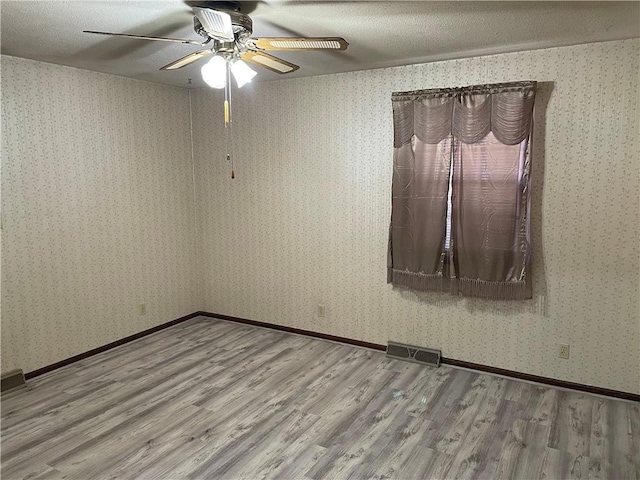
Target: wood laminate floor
{"type": "Point", "coordinates": [214, 399]}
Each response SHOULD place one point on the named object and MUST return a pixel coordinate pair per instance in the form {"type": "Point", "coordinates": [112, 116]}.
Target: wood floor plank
{"type": "Point", "coordinates": [423, 463]}
{"type": "Point", "coordinates": [215, 399]}
{"type": "Point", "coordinates": [268, 452]}
{"type": "Point", "coordinates": [522, 451]}
{"type": "Point", "coordinates": [600, 442]}
{"type": "Point", "coordinates": [467, 457]}
{"type": "Point", "coordinates": [49, 474]}
{"type": "Point", "coordinates": [18, 420]}
{"type": "Point", "coordinates": [489, 461]}
{"type": "Point", "coordinates": [633, 410]}
{"type": "Point", "coordinates": [296, 465]}
{"type": "Point", "coordinates": [166, 445]}
{"type": "Point", "coordinates": [20, 466]}
{"type": "Point", "coordinates": [172, 449]}
{"type": "Point", "coordinates": [394, 451]}
{"type": "Point", "coordinates": [29, 438]}
{"type": "Point", "coordinates": [239, 386]}
{"type": "Point", "coordinates": [162, 386]}
{"type": "Point", "coordinates": [451, 435]}
{"type": "Point", "coordinates": [334, 386]}
{"type": "Point", "coordinates": [37, 471]}
{"type": "Point", "coordinates": [559, 464]}
{"type": "Point", "coordinates": [440, 393]}
{"type": "Point", "coordinates": [571, 426]}
{"type": "Point", "coordinates": [348, 413]}
{"type": "Point", "coordinates": [248, 436]}
{"type": "Point", "coordinates": [109, 451]}
{"type": "Point", "coordinates": [366, 441]}
{"type": "Point", "coordinates": [614, 446]}
{"type": "Point", "coordinates": [543, 410]}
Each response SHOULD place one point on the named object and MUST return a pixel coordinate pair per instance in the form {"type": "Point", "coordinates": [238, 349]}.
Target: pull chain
{"type": "Point", "coordinates": [228, 122]}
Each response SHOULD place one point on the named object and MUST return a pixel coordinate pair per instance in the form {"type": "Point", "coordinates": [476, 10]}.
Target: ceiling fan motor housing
{"type": "Point", "coordinates": [241, 22]}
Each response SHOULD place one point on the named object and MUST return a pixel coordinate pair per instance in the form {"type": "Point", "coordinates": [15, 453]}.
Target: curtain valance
{"type": "Point", "coordinates": [469, 113]}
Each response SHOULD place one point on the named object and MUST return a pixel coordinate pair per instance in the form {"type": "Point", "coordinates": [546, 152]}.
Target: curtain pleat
{"type": "Point", "coordinates": [402, 123]}
{"type": "Point", "coordinates": [472, 118]}
{"type": "Point", "coordinates": [511, 114]}
{"type": "Point", "coordinates": [432, 118]}
{"type": "Point", "coordinates": [482, 133]}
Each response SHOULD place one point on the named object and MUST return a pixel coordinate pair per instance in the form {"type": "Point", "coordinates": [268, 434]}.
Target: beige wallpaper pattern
{"type": "Point", "coordinates": [305, 222]}
{"type": "Point", "coordinates": [97, 210]}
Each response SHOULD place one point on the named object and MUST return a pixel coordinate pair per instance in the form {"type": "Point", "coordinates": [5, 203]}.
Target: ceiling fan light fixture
{"type": "Point", "coordinates": [214, 72]}
{"type": "Point", "coordinates": [242, 72]}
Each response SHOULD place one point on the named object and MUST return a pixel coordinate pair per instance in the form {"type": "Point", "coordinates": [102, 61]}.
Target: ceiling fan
{"type": "Point", "coordinates": [226, 31]}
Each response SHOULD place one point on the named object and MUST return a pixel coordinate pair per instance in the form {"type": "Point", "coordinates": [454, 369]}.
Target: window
{"type": "Point", "coordinates": [460, 196]}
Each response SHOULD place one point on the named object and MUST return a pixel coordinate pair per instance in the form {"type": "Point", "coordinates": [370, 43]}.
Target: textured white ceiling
{"type": "Point", "coordinates": [380, 34]}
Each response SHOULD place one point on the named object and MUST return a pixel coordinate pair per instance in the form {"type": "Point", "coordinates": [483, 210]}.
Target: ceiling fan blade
{"type": "Point", "coordinates": [270, 62]}
{"type": "Point", "coordinates": [300, 43]}
{"type": "Point", "coordinates": [143, 37]}
{"type": "Point", "coordinates": [216, 23]}
{"type": "Point", "coordinates": [187, 59]}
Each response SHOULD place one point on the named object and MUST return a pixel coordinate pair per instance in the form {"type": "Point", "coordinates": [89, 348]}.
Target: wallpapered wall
{"type": "Point", "coordinates": [98, 210]}
{"type": "Point", "coordinates": [306, 220]}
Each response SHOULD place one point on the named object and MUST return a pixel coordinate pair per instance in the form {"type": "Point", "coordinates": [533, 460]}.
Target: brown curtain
{"type": "Point", "coordinates": [421, 165]}
{"type": "Point", "coordinates": [480, 135]}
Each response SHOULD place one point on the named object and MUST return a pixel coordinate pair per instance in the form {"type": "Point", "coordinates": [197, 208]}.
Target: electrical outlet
{"type": "Point", "coordinates": [564, 351]}
{"type": "Point", "coordinates": [142, 309]}
{"type": "Point", "coordinates": [321, 311]}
